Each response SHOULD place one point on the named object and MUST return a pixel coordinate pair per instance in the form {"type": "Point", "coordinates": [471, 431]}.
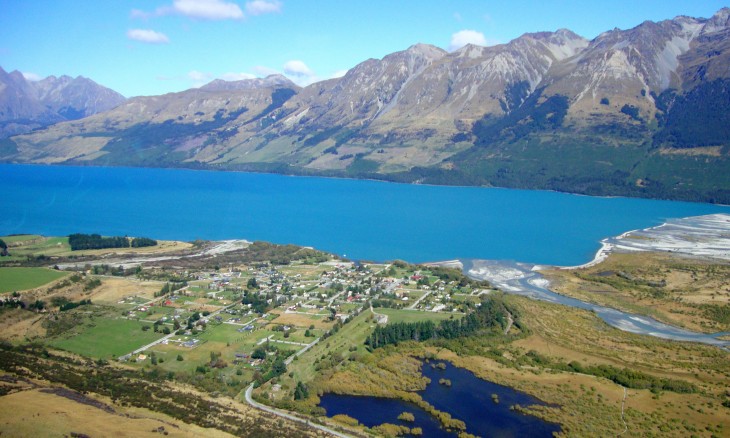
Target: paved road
{"type": "Point", "coordinates": [288, 416]}
{"type": "Point", "coordinates": [166, 337]}
{"type": "Point", "coordinates": [152, 344]}
{"type": "Point", "coordinates": [300, 352]}
{"type": "Point", "coordinates": [413, 306]}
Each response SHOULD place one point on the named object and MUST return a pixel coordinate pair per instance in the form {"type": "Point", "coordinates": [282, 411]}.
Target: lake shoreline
{"type": "Point", "coordinates": [662, 239]}
{"type": "Point", "coordinates": [383, 179]}
{"type": "Point", "coordinates": [706, 237]}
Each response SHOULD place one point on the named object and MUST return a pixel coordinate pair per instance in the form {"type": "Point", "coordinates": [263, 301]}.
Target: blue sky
{"type": "Point", "coordinates": [146, 47]}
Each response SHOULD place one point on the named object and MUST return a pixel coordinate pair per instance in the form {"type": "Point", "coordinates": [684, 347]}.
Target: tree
{"type": "Point", "coordinates": [301, 391]}
{"type": "Point", "coordinates": [3, 248]}
{"type": "Point", "coordinates": [252, 283]}
{"type": "Point", "coordinates": [279, 367]}
{"type": "Point", "coordinates": [258, 353]}
{"type": "Point", "coordinates": [37, 305]}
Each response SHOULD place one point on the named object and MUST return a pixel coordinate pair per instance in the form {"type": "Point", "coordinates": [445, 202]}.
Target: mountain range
{"type": "Point", "coordinates": [639, 112]}
{"type": "Point", "coordinates": [26, 105]}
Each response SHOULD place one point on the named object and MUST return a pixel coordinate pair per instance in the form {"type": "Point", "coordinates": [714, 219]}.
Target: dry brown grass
{"type": "Point", "coordinates": [19, 325]}
{"type": "Point", "coordinates": [299, 320]}
{"type": "Point", "coordinates": [114, 289]}
{"type": "Point", "coordinates": [690, 284]}
{"type": "Point", "coordinates": [33, 413]}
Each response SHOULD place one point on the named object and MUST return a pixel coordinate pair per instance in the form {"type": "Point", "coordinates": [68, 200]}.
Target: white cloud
{"type": "Point", "coordinates": [33, 77]}
{"type": "Point", "coordinates": [200, 9]}
{"type": "Point", "coordinates": [299, 73]}
{"type": "Point", "coordinates": [260, 7]}
{"type": "Point", "coordinates": [208, 9]}
{"type": "Point", "coordinates": [199, 78]}
{"type": "Point", "coordinates": [297, 68]}
{"type": "Point", "coordinates": [464, 37]}
{"type": "Point", "coordinates": [236, 76]}
{"type": "Point", "coordinates": [147, 36]}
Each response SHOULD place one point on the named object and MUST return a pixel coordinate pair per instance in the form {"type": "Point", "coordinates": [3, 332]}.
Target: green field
{"type": "Point", "coordinates": [20, 238]}
{"type": "Point", "coordinates": [33, 245]}
{"type": "Point", "coordinates": [17, 279]}
{"type": "Point", "coordinates": [404, 315]}
{"type": "Point", "coordinates": [108, 337]}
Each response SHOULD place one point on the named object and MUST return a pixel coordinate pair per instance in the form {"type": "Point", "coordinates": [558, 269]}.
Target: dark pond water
{"type": "Point", "coordinates": [373, 411]}
{"type": "Point", "coordinates": [468, 399]}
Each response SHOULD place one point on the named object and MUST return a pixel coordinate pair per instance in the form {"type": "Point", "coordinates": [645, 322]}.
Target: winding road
{"type": "Point", "coordinates": [289, 416]}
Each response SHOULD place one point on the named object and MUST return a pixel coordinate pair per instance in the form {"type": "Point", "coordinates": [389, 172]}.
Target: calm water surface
{"type": "Point", "coordinates": [468, 399]}
{"type": "Point", "coordinates": [362, 219]}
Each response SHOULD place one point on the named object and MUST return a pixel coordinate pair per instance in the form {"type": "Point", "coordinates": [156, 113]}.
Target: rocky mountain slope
{"type": "Point", "coordinates": [26, 105]}
{"type": "Point", "coordinates": [638, 112]}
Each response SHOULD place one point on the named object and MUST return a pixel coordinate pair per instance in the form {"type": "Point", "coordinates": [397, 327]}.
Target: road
{"type": "Point", "coordinates": [166, 337]}
{"type": "Point", "coordinates": [288, 416]}
{"type": "Point", "coordinates": [379, 317]}
{"type": "Point", "coordinates": [300, 352]}
{"type": "Point", "coordinates": [413, 306]}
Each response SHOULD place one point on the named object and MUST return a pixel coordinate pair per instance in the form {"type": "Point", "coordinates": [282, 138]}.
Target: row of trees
{"type": "Point", "coordinates": [492, 314]}
{"type": "Point", "coordinates": [72, 305]}
{"type": "Point", "coordinates": [95, 241]}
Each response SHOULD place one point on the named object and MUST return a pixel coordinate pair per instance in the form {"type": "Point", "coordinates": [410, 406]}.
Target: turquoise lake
{"type": "Point", "coordinates": [367, 220]}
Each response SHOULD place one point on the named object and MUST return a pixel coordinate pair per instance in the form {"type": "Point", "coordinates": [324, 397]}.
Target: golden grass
{"type": "Point", "coordinates": [116, 288]}
{"type": "Point", "coordinates": [690, 285]}
{"type": "Point", "coordinates": [299, 320]}
{"type": "Point", "coordinates": [19, 325]}
{"type": "Point", "coordinates": [38, 414]}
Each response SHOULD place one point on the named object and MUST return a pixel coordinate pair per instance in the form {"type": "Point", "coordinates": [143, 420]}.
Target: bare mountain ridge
{"type": "Point", "coordinates": [26, 105]}
{"type": "Point", "coordinates": [478, 115]}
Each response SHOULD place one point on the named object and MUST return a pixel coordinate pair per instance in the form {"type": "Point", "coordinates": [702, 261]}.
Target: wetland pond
{"type": "Point", "coordinates": [484, 406]}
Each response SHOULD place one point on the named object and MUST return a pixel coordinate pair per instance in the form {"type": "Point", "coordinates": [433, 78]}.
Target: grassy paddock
{"type": "Point", "coordinates": [17, 279]}
{"type": "Point", "coordinates": [108, 337]}
{"type": "Point", "coordinates": [20, 238]}
{"type": "Point", "coordinates": [405, 315]}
